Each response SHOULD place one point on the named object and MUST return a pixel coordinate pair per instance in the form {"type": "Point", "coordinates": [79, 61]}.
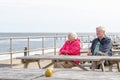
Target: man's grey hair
{"type": "Point", "coordinates": [102, 28]}
{"type": "Point", "coordinates": [73, 34]}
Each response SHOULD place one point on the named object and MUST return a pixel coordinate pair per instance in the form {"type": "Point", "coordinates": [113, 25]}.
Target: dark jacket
{"type": "Point", "coordinates": [105, 45]}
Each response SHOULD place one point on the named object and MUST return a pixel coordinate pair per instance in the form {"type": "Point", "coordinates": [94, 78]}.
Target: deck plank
{"type": "Point", "coordinates": [81, 75]}
{"type": "Point", "coordinates": [19, 74]}
{"type": "Point", "coordinates": [59, 74]}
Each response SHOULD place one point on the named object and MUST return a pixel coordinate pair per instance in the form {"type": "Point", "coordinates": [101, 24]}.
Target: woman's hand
{"type": "Point", "coordinates": [63, 54]}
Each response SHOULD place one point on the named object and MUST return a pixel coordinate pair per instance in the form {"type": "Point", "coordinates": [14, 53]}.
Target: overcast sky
{"type": "Point", "coordinates": [59, 15]}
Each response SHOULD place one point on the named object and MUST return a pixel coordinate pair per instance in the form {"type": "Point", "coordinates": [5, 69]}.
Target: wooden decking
{"type": "Point", "coordinates": [81, 75]}
{"type": "Point", "coordinates": [59, 74]}
{"type": "Point", "coordinates": [19, 74]}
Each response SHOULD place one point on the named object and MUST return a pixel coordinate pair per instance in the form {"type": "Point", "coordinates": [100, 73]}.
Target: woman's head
{"type": "Point", "coordinates": [72, 36]}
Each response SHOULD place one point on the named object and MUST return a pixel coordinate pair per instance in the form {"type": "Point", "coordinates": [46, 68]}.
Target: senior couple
{"type": "Point", "coordinates": [102, 45]}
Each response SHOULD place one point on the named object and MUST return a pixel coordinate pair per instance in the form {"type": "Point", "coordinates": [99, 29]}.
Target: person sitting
{"type": "Point", "coordinates": [102, 45]}
{"type": "Point", "coordinates": [70, 47]}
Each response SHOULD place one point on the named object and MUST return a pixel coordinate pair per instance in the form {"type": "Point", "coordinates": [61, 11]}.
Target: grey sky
{"type": "Point", "coordinates": [58, 15]}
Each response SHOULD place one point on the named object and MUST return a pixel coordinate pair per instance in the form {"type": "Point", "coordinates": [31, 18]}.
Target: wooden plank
{"type": "Point", "coordinates": [19, 74]}
{"type": "Point", "coordinates": [116, 52]}
{"type": "Point", "coordinates": [64, 74]}
{"type": "Point", "coordinates": [45, 57]}
{"type": "Point", "coordinates": [112, 58]}
{"type": "Point", "coordinates": [59, 74]}
{"type": "Point", "coordinates": [65, 58]}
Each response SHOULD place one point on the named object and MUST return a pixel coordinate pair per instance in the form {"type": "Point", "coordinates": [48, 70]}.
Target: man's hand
{"type": "Point", "coordinates": [101, 53]}
{"type": "Point", "coordinates": [89, 53]}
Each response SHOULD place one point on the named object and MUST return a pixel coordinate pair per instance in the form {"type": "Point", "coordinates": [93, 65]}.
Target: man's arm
{"type": "Point", "coordinates": [91, 49]}
{"type": "Point", "coordinates": [106, 46]}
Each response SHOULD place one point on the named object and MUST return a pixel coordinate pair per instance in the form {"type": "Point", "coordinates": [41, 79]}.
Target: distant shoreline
{"type": "Point", "coordinates": [16, 34]}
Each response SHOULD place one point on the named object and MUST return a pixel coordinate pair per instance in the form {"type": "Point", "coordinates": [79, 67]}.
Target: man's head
{"type": "Point", "coordinates": [100, 32]}
{"type": "Point", "coordinates": [72, 36]}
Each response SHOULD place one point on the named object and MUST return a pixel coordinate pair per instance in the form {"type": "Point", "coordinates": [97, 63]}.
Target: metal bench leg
{"type": "Point", "coordinates": [80, 66]}
{"type": "Point", "coordinates": [26, 64]}
{"type": "Point", "coordinates": [102, 67]}
{"type": "Point", "coordinates": [93, 65]}
{"type": "Point", "coordinates": [118, 66]}
{"type": "Point", "coordinates": [48, 65]}
{"type": "Point", "coordinates": [39, 64]}
{"type": "Point", "coordinates": [110, 67]}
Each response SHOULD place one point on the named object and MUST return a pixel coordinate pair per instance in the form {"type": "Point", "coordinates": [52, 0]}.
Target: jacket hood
{"type": "Point", "coordinates": [77, 39]}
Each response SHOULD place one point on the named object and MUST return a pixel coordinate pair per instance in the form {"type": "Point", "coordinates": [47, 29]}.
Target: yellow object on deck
{"type": "Point", "coordinates": [49, 72]}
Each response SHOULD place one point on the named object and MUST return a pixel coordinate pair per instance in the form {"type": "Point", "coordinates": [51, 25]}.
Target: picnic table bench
{"type": "Point", "coordinates": [113, 60]}
{"type": "Point", "coordinates": [57, 58]}
{"type": "Point", "coordinates": [116, 52]}
{"type": "Point", "coordinates": [59, 74]}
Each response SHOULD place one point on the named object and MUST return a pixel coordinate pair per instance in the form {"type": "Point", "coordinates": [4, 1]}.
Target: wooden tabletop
{"type": "Point", "coordinates": [59, 74]}
{"type": "Point", "coordinates": [58, 57]}
{"type": "Point", "coordinates": [116, 58]}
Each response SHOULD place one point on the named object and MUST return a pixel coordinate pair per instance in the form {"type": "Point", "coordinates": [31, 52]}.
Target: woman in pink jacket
{"type": "Point", "coordinates": [71, 47]}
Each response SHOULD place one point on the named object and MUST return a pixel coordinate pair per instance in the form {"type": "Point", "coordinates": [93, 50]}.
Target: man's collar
{"type": "Point", "coordinates": [102, 38]}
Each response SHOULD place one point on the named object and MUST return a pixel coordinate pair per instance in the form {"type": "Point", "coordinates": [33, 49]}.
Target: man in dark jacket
{"type": "Point", "coordinates": [102, 45]}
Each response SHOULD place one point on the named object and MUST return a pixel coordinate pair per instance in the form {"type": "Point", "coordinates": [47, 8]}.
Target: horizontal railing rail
{"type": "Point", "coordinates": [28, 39]}
{"type": "Point", "coordinates": [42, 39]}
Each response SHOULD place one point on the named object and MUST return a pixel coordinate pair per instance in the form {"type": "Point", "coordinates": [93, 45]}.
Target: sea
{"type": "Point", "coordinates": [19, 44]}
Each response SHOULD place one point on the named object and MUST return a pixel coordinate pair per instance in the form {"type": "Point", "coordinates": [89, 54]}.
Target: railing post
{"type": "Point", "coordinates": [11, 52]}
{"type": "Point", "coordinates": [28, 49]}
{"type": "Point", "coordinates": [65, 38]}
{"type": "Point", "coordinates": [42, 45]}
{"type": "Point", "coordinates": [25, 51]}
{"type": "Point", "coordinates": [55, 45]}
{"type": "Point", "coordinates": [82, 38]}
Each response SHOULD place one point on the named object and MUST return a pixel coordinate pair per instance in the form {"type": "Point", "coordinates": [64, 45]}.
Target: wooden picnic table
{"type": "Point", "coordinates": [113, 60]}
{"type": "Point", "coordinates": [57, 58]}
{"type": "Point", "coordinates": [116, 52]}
{"type": "Point", "coordinates": [84, 50]}
{"type": "Point", "coordinates": [59, 74]}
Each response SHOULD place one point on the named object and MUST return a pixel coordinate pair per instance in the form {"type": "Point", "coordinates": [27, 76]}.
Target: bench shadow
{"type": "Point", "coordinates": [7, 65]}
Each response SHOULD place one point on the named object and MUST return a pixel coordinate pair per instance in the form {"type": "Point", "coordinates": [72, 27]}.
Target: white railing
{"type": "Point", "coordinates": [27, 48]}
{"type": "Point", "coordinates": [42, 48]}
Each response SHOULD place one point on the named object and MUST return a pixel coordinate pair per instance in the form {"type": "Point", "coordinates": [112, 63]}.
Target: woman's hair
{"type": "Point", "coordinates": [73, 34]}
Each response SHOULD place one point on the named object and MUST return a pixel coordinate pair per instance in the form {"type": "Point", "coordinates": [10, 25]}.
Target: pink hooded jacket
{"type": "Point", "coordinates": [71, 48]}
